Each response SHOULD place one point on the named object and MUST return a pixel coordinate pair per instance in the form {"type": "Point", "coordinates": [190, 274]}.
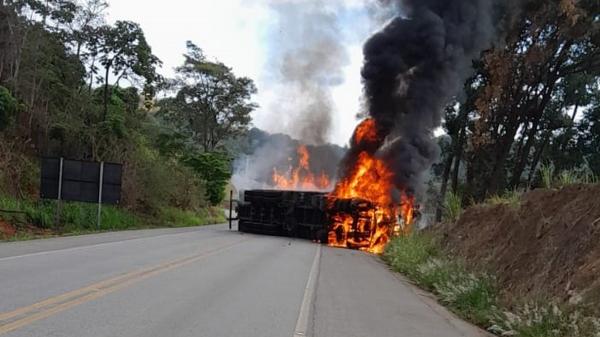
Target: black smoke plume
{"type": "Point", "coordinates": [412, 68]}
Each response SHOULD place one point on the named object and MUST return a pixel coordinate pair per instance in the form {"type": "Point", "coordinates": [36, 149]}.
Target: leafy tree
{"type": "Point", "coordinates": [588, 143]}
{"type": "Point", "coordinates": [8, 107]}
{"type": "Point", "coordinates": [211, 104]}
{"type": "Point", "coordinates": [214, 168]}
{"type": "Point", "coordinates": [125, 53]}
{"type": "Point", "coordinates": [50, 52]}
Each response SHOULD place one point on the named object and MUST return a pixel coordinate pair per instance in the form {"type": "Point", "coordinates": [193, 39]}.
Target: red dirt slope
{"type": "Point", "coordinates": [549, 245]}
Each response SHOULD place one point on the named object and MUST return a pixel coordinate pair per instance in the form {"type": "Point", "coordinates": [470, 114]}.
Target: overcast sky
{"type": "Point", "coordinates": [242, 34]}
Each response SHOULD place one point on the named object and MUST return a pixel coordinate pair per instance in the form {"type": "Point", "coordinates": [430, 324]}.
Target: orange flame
{"type": "Point", "coordinates": [301, 177]}
{"type": "Point", "coordinates": [366, 131]}
{"type": "Point", "coordinates": [371, 180]}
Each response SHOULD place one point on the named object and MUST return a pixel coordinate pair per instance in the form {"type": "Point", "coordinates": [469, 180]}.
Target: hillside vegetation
{"type": "Point", "coordinates": [73, 86]}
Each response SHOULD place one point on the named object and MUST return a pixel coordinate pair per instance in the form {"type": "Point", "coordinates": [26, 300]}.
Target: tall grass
{"type": "Point", "coordinates": [174, 217]}
{"type": "Point", "coordinates": [78, 218]}
{"type": "Point", "coordinates": [452, 207]}
{"type": "Point", "coordinates": [547, 174]}
{"type": "Point", "coordinates": [534, 319]}
{"type": "Point", "coordinates": [471, 295]}
{"type": "Point", "coordinates": [474, 295]}
{"type": "Point", "coordinates": [72, 217]}
{"type": "Point", "coordinates": [577, 175]}
{"type": "Point", "coordinates": [510, 197]}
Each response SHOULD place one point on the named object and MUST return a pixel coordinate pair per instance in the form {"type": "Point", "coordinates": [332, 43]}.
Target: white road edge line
{"type": "Point", "coordinates": [309, 290]}
{"type": "Point", "coordinates": [46, 252]}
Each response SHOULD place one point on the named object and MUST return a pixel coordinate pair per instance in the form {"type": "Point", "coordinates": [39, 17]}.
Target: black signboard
{"type": "Point", "coordinates": [81, 180]}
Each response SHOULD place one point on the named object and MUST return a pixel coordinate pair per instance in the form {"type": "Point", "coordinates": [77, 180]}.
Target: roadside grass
{"type": "Point", "coordinates": [452, 206]}
{"type": "Point", "coordinates": [174, 217]}
{"type": "Point", "coordinates": [534, 319]}
{"type": "Point", "coordinates": [474, 296]}
{"type": "Point", "coordinates": [579, 175]}
{"type": "Point", "coordinates": [23, 236]}
{"type": "Point", "coordinates": [81, 218]}
{"type": "Point", "coordinates": [510, 197]}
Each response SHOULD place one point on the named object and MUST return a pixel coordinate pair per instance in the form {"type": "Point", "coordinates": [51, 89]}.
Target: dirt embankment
{"type": "Point", "coordinates": [548, 246]}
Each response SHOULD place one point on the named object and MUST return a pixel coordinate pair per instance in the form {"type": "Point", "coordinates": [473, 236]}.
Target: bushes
{"type": "Point", "coordinates": [214, 167]}
{"type": "Point", "coordinates": [474, 296]}
{"type": "Point", "coordinates": [19, 173]}
{"type": "Point", "coordinates": [152, 182]}
{"type": "Point", "coordinates": [8, 107]}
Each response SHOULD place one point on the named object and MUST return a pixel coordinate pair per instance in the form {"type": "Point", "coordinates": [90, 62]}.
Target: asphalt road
{"type": "Point", "coordinates": [207, 282]}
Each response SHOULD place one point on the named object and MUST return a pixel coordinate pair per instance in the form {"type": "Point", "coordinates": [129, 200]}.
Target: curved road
{"type": "Point", "coordinates": [207, 282]}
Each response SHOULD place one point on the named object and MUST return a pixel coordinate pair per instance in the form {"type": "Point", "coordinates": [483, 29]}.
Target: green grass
{"type": "Point", "coordinates": [452, 207]}
{"type": "Point", "coordinates": [511, 198]}
{"type": "Point", "coordinates": [473, 295]}
{"type": "Point", "coordinates": [577, 175]}
{"type": "Point", "coordinates": [174, 217]}
{"type": "Point", "coordinates": [21, 236]}
{"type": "Point", "coordinates": [535, 319]}
{"type": "Point", "coordinates": [547, 173]}
{"type": "Point", "coordinates": [81, 218]}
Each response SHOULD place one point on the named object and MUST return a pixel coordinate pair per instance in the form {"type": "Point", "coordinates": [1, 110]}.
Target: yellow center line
{"type": "Point", "coordinates": [56, 304]}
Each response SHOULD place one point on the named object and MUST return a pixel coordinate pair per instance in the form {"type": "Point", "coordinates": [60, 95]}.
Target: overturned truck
{"type": "Point", "coordinates": [351, 223]}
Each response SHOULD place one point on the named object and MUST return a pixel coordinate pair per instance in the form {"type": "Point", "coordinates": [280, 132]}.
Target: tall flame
{"type": "Point", "coordinates": [371, 180]}
{"type": "Point", "coordinates": [366, 131]}
{"type": "Point", "coordinates": [301, 177]}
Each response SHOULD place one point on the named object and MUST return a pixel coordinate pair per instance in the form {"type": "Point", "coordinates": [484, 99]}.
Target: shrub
{"type": "Point", "coordinates": [214, 168]}
{"type": "Point", "coordinates": [8, 107]}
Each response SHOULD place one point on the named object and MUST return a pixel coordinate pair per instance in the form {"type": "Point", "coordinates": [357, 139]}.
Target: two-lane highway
{"type": "Point", "coordinates": [207, 282]}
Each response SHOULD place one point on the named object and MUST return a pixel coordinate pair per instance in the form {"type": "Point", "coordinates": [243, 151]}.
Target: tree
{"type": "Point", "coordinates": [526, 89]}
{"type": "Point", "coordinates": [211, 104]}
{"type": "Point", "coordinates": [124, 52]}
{"type": "Point", "coordinates": [8, 107]}
{"type": "Point", "coordinates": [214, 168]}
{"type": "Point", "coordinates": [50, 52]}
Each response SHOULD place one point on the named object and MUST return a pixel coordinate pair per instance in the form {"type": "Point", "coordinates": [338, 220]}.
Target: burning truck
{"type": "Point", "coordinates": [362, 211]}
{"type": "Point", "coordinates": [413, 67]}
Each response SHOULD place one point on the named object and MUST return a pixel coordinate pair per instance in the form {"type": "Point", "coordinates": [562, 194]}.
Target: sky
{"type": "Point", "coordinates": [243, 34]}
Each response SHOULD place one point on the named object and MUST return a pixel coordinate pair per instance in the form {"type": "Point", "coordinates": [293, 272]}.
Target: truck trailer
{"type": "Point", "coordinates": [304, 214]}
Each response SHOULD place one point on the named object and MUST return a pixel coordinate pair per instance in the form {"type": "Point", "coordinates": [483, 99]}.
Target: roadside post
{"type": "Point", "coordinates": [230, 207]}
{"type": "Point", "coordinates": [59, 192]}
{"type": "Point", "coordinates": [100, 183]}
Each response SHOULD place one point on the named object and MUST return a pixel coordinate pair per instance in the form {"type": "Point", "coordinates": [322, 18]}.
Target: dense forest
{"type": "Point", "coordinates": [74, 86]}
{"type": "Point", "coordinates": [530, 113]}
